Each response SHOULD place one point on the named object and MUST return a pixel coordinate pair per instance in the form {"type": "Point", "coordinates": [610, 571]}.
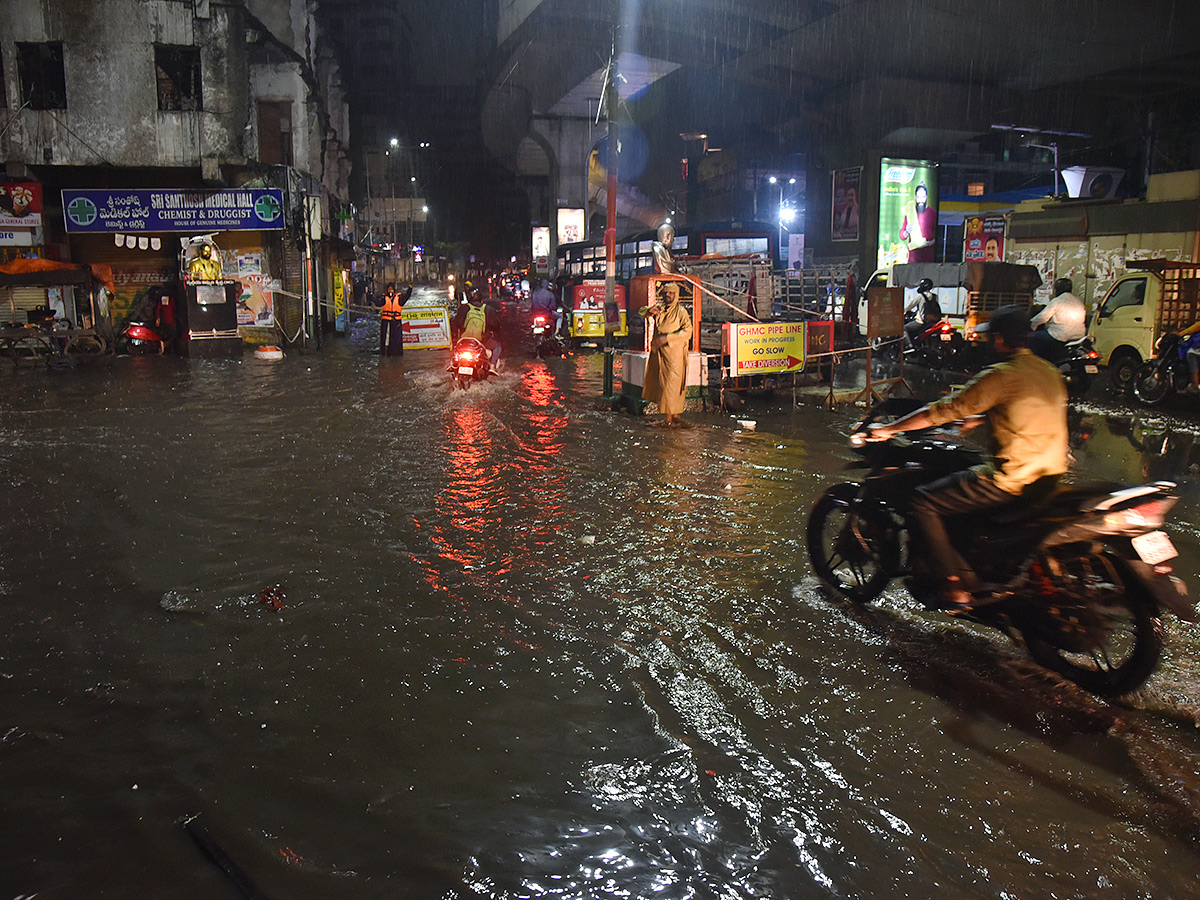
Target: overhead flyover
{"type": "Point", "coordinates": [833, 79]}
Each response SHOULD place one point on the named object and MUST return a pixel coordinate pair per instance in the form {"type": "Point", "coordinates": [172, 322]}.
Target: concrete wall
{"type": "Point", "coordinates": [112, 115]}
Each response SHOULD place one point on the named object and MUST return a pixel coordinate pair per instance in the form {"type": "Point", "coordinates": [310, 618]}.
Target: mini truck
{"type": "Point", "coordinates": [1154, 297]}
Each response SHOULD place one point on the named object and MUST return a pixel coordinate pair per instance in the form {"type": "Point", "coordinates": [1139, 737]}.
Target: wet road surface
{"type": "Point", "coordinates": [387, 639]}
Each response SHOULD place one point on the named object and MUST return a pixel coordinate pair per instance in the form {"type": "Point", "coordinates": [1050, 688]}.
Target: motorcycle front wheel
{"type": "Point", "coordinates": [1152, 383]}
{"type": "Point", "coordinates": [1122, 660]}
{"type": "Point", "coordinates": [854, 545]}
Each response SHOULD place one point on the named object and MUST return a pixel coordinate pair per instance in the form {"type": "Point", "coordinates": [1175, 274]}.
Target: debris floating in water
{"type": "Point", "coordinates": [273, 596]}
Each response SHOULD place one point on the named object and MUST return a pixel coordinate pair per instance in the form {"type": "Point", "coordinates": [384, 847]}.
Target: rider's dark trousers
{"type": "Point", "coordinates": [957, 494]}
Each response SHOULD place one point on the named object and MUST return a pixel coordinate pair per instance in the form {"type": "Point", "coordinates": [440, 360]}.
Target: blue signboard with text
{"type": "Point", "coordinates": [146, 211]}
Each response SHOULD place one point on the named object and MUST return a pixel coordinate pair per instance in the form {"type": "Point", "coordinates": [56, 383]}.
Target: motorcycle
{"type": "Point", "coordinates": [470, 361]}
{"type": "Point", "coordinates": [1078, 362]}
{"type": "Point", "coordinates": [546, 341]}
{"type": "Point", "coordinates": [937, 344]}
{"type": "Point", "coordinates": [1082, 576]}
{"type": "Point", "coordinates": [1157, 379]}
{"type": "Point", "coordinates": [140, 338]}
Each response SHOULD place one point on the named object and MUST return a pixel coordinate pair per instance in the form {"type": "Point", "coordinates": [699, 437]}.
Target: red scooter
{"type": "Point", "coordinates": [140, 339]}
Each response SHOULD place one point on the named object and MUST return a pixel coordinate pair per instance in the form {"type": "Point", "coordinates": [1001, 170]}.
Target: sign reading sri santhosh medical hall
{"type": "Point", "coordinates": [251, 209]}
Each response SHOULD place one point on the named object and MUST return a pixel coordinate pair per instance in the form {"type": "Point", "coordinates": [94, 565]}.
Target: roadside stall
{"type": "Point", "coordinates": [71, 317]}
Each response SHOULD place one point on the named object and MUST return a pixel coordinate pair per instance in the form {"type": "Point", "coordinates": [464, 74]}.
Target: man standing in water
{"type": "Point", "coordinates": [666, 369]}
{"type": "Point", "coordinates": [391, 324]}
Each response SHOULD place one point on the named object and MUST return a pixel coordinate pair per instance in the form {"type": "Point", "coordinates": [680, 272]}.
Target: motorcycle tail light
{"type": "Point", "coordinates": [1093, 354]}
{"type": "Point", "coordinates": [1148, 515]}
{"type": "Point", "coordinates": [540, 320]}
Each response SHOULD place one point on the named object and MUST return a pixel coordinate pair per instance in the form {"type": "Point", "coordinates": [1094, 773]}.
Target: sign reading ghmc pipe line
{"type": "Point", "coordinates": [251, 209]}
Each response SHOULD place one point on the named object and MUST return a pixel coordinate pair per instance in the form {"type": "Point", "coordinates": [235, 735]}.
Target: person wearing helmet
{"type": "Point", "coordinates": [544, 301]}
{"type": "Point", "coordinates": [929, 311]}
{"type": "Point", "coordinates": [477, 324]}
{"type": "Point", "coordinates": [664, 262]}
{"type": "Point", "coordinates": [1061, 321]}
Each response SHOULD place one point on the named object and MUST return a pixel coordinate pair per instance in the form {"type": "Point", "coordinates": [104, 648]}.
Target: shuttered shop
{"type": "Point", "coordinates": [133, 270]}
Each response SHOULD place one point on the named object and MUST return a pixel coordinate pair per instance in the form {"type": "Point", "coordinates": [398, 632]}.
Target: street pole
{"type": "Point", "coordinates": [610, 230]}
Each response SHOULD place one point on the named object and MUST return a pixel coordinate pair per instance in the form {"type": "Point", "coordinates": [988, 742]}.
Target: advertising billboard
{"type": "Point", "coordinates": [983, 239]}
{"type": "Point", "coordinates": [845, 204]}
{"type": "Point", "coordinates": [908, 211]}
{"type": "Point", "coordinates": [570, 225]}
{"type": "Point", "coordinates": [541, 246]}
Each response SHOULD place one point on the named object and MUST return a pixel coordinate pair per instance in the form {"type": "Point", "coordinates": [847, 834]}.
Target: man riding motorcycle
{"type": "Point", "coordinates": [930, 311]}
{"type": "Point", "coordinates": [544, 301]}
{"type": "Point", "coordinates": [1024, 400]}
{"type": "Point", "coordinates": [476, 324]}
{"type": "Point", "coordinates": [1062, 321]}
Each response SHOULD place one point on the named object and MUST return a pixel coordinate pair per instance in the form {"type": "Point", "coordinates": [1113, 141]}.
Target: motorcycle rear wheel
{"type": "Point", "coordinates": [1125, 658]}
{"type": "Point", "coordinates": [462, 381]}
{"type": "Point", "coordinates": [1151, 384]}
{"type": "Point", "coordinates": [853, 545]}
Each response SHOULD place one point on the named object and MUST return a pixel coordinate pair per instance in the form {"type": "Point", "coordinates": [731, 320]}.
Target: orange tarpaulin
{"type": "Point", "coordinates": [99, 271]}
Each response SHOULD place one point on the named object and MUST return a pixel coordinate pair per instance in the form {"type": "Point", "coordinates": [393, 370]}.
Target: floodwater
{"type": "Point", "coordinates": [524, 648]}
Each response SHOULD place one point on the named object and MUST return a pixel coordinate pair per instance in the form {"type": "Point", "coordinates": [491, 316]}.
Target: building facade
{"type": "Point", "coordinates": [194, 100]}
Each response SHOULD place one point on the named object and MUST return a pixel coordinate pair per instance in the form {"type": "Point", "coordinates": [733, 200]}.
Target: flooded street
{"type": "Point", "coordinates": [526, 648]}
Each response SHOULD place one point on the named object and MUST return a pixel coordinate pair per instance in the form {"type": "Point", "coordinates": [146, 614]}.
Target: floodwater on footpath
{"type": "Point", "coordinates": [524, 647]}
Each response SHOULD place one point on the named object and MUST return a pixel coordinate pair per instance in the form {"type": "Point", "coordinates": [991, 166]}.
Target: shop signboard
{"type": "Point", "coordinates": [16, 237]}
{"type": "Point", "coordinates": [20, 204]}
{"type": "Point", "coordinates": [170, 210]}
{"type": "Point", "coordinates": [761, 348]}
{"type": "Point", "coordinates": [908, 211]}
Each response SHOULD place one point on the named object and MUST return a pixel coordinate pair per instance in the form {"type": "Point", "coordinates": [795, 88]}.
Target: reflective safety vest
{"type": "Point", "coordinates": [476, 322]}
{"type": "Point", "coordinates": [391, 309]}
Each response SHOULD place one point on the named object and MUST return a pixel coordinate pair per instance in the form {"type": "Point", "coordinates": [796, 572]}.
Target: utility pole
{"type": "Point", "coordinates": [610, 230]}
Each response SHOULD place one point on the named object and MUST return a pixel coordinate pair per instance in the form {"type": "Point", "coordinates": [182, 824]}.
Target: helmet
{"type": "Point", "coordinates": [666, 233]}
{"type": "Point", "coordinates": [924, 285]}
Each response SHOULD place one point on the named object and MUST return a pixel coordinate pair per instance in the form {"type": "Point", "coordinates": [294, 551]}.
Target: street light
{"type": "Point", "coordinates": [786, 214]}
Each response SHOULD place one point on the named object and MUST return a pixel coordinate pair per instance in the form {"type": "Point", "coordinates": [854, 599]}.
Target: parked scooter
{"type": "Point", "coordinates": [1083, 577]}
{"type": "Point", "coordinates": [1166, 374]}
{"type": "Point", "coordinates": [140, 339]}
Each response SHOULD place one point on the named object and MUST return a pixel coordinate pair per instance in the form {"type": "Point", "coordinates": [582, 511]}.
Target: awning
{"type": "Point", "coordinates": [49, 272]}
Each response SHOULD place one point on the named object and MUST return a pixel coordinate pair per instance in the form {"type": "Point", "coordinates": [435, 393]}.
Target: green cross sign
{"type": "Point", "coordinates": [82, 211]}
{"type": "Point", "coordinates": [267, 208]}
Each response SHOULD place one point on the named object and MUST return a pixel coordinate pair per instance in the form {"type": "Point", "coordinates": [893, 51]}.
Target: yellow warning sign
{"type": "Point", "coordinates": [760, 348]}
